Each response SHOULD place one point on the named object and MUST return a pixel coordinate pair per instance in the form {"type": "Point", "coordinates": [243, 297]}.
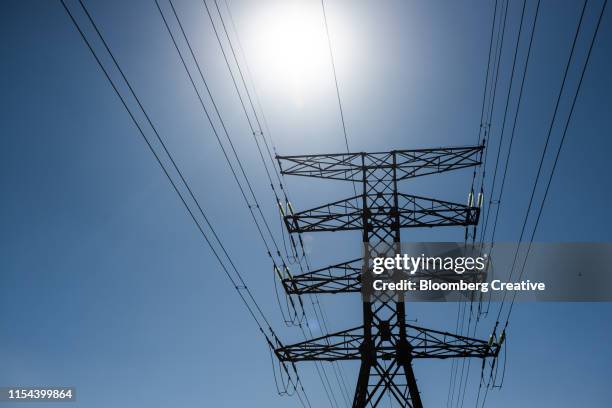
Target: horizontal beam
{"type": "Point", "coordinates": [344, 277]}
{"type": "Point", "coordinates": [343, 345]}
{"type": "Point", "coordinates": [414, 211]}
{"type": "Point", "coordinates": [422, 343]}
{"type": "Point", "coordinates": [408, 163]}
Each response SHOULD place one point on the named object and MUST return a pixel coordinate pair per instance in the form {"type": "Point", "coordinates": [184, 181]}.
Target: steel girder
{"type": "Point", "coordinates": [408, 163]}
{"type": "Point", "coordinates": [413, 212]}
{"type": "Point", "coordinates": [344, 277]}
{"type": "Point", "coordinates": [422, 343]}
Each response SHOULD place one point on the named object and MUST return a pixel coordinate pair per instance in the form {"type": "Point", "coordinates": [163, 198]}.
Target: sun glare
{"type": "Point", "coordinates": [288, 39]}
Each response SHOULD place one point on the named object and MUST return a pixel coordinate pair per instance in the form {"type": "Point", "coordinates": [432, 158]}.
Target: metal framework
{"type": "Point", "coordinates": [404, 163]}
{"type": "Point", "coordinates": [345, 277]}
{"type": "Point", "coordinates": [387, 209]}
{"type": "Point", "coordinates": [424, 343]}
{"type": "Point", "coordinates": [340, 278]}
{"type": "Point", "coordinates": [385, 344]}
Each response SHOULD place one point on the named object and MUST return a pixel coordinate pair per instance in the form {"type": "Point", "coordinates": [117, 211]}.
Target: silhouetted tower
{"type": "Point", "coordinates": [385, 343]}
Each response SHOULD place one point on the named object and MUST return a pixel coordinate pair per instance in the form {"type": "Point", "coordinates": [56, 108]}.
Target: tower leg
{"type": "Point", "coordinates": [415, 396]}
{"type": "Point", "coordinates": [381, 382]}
{"type": "Point", "coordinates": [361, 390]}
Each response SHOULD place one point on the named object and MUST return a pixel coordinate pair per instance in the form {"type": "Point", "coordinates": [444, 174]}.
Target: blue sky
{"type": "Point", "coordinates": [105, 282]}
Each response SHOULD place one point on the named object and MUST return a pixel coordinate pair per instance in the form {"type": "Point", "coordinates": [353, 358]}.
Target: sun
{"type": "Point", "coordinates": [289, 45]}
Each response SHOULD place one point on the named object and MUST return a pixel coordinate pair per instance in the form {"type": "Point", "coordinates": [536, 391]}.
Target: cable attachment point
{"type": "Point", "coordinates": [281, 208]}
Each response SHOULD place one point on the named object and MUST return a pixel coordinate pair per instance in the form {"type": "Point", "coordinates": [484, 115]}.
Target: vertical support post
{"type": "Point", "coordinates": [380, 314]}
{"type": "Point", "coordinates": [367, 347]}
{"type": "Point", "coordinates": [403, 352]}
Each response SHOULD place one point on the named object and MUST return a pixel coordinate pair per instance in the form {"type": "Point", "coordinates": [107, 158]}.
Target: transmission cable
{"type": "Point", "coordinates": [516, 49]}
{"type": "Point", "coordinates": [559, 149]}
{"type": "Point", "coordinates": [256, 205]}
{"type": "Point", "coordinates": [478, 141]}
{"type": "Point", "coordinates": [333, 65]}
{"type": "Point", "coordinates": [486, 118]}
{"type": "Point", "coordinates": [239, 284]}
{"type": "Point", "coordinates": [511, 142]}
{"type": "Point", "coordinates": [229, 139]}
{"type": "Point", "coordinates": [315, 303]}
{"type": "Point", "coordinates": [548, 136]}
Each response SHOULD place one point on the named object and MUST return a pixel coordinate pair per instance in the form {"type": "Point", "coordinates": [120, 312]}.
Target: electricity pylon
{"type": "Point", "coordinates": [385, 343]}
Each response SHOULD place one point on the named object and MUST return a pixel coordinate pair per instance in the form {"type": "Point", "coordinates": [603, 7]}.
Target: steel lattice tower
{"type": "Point", "coordinates": [385, 343]}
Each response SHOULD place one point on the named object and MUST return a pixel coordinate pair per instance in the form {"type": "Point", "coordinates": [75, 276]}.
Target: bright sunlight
{"type": "Point", "coordinates": [288, 39]}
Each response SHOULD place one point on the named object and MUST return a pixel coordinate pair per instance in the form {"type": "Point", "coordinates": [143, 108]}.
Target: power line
{"type": "Point", "coordinates": [493, 98]}
{"type": "Point", "coordinates": [246, 88]}
{"type": "Point", "coordinates": [503, 126]}
{"type": "Point", "coordinates": [516, 49]}
{"type": "Point", "coordinates": [452, 381]}
{"type": "Point", "coordinates": [486, 119]}
{"type": "Point", "coordinates": [559, 149]}
{"type": "Point", "coordinates": [333, 65]}
{"type": "Point", "coordinates": [323, 376]}
{"type": "Point", "coordinates": [321, 372]}
{"type": "Point", "coordinates": [315, 303]}
{"type": "Point", "coordinates": [238, 282]}
{"type": "Point", "coordinates": [242, 103]}
{"type": "Point", "coordinates": [549, 133]}
{"type": "Point", "coordinates": [260, 131]}
{"type": "Point", "coordinates": [266, 134]}
{"type": "Point", "coordinates": [485, 89]}
{"type": "Point", "coordinates": [511, 142]}
{"type": "Point", "coordinates": [250, 206]}
{"type": "Point", "coordinates": [150, 123]}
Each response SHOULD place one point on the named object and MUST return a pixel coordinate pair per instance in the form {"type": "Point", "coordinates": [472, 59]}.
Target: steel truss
{"type": "Point", "coordinates": [340, 278]}
{"type": "Point", "coordinates": [385, 344]}
{"type": "Point", "coordinates": [384, 212]}
{"type": "Point", "coordinates": [345, 277]}
{"type": "Point", "coordinates": [405, 163]}
{"type": "Point", "coordinates": [422, 343]}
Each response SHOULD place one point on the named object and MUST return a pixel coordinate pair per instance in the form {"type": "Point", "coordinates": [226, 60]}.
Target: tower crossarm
{"type": "Point", "coordinates": [344, 345]}
{"type": "Point", "coordinates": [421, 343]}
{"type": "Point", "coordinates": [414, 211]}
{"type": "Point", "coordinates": [347, 278]}
{"type": "Point", "coordinates": [407, 163]}
{"type": "Point", "coordinates": [428, 343]}
{"type": "Point", "coordinates": [344, 277]}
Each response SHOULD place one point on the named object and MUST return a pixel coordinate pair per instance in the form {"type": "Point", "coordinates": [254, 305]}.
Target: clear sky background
{"type": "Point", "coordinates": [105, 283]}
